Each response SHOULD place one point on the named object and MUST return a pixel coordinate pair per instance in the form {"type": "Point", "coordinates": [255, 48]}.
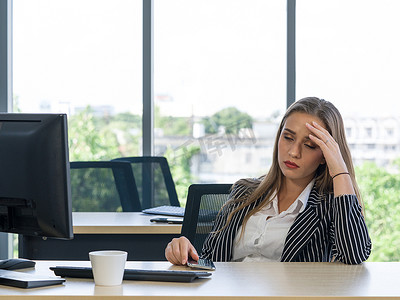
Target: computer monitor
{"type": "Point", "coordinates": [34, 175]}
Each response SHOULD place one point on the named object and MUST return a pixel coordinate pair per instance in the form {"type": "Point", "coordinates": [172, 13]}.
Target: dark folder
{"type": "Point", "coordinates": [26, 280]}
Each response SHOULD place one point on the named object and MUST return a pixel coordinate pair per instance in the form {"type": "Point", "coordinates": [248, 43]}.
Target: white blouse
{"type": "Point", "coordinates": [265, 233]}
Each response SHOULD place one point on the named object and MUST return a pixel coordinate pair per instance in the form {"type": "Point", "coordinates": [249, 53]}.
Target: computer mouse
{"type": "Point", "coordinates": [16, 263]}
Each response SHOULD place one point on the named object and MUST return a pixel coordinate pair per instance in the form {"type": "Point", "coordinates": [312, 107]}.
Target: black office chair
{"type": "Point", "coordinates": [202, 206]}
{"type": "Point", "coordinates": [103, 186]}
{"type": "Point", "coordinates": [154, 180]}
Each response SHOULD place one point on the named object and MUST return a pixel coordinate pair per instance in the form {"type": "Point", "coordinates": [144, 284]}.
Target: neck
{"type": "Point", "coordinates": [289, 192]}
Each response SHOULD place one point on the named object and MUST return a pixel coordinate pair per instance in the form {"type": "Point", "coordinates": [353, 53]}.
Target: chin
{"type": "Point", "coordinates": [293, 174]}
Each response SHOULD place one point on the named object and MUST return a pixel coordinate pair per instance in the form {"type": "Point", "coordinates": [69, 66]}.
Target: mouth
{"type": "Point", "coordinates": [290, 164]}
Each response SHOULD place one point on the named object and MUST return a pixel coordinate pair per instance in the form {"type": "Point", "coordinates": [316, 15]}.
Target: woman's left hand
{"type": "Point", "coordinates": [334, 160]}
{"type": "Point", "coordinates": [329, 148]}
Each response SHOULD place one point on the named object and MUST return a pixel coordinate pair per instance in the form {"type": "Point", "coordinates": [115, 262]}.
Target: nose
{"type": "Point", "coordinates": [295, 151]}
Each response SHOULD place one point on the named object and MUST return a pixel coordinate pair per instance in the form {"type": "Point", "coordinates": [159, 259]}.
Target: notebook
{"type": "Point", "coordinates": [26, 280]}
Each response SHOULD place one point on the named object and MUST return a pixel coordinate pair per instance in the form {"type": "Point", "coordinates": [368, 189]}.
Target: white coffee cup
{"type": "Point", "coordinates": [108, 266]}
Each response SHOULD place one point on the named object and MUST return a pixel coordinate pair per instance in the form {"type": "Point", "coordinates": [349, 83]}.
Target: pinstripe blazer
{"type": "Point", "coordinates": [329, 229]}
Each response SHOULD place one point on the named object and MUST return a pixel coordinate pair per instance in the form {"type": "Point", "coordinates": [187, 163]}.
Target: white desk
{"type": "Point", "coordinates": [233, 281]}
{"type": "Point", "coordinates": [120, 223]}
{"type": "Point", "coordinates": [129, 231]}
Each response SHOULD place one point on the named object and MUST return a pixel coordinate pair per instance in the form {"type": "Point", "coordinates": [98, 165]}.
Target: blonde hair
{"type": "Point", "coordinates": [271, 182]}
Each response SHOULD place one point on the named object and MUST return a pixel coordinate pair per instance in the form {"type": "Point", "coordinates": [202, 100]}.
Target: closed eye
{"type": "Point", "coordinates": [287, 138]}
{"type": "Point", "coordinates": [309, 146]}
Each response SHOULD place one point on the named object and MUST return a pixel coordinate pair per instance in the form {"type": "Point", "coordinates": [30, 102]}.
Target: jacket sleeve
{"type": "Point", "coordinates": [212, 247]}
{"type": "Point", "coordinates": [219, 242]}
{"type": "Point", "coordinates": [348, 232]}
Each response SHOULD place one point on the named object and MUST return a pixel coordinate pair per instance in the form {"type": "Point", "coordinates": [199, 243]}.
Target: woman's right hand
{"type": "Point", "coordinates": [178, 251]}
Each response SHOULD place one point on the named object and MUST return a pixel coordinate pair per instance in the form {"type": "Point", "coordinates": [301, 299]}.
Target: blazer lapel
{"type": "Point", "coordinates": [302, 229]}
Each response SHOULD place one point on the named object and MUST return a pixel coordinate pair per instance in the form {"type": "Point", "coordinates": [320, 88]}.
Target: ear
{"type": "Point", "coordinates": [323, 161]}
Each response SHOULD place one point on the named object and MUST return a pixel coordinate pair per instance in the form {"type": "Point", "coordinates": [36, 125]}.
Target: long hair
{"type": "Point", "coordinates": [271, 182]}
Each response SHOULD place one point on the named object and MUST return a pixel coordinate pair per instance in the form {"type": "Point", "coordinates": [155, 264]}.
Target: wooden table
{"type": "Point", "coordinates": [129, 231]}
{"type": "Point", "coordinates": [233, 281]}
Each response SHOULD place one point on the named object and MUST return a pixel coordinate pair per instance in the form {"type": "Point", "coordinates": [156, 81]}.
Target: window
{"type": "Point", "coordinates": [347, 52]}
{"type": "Point", "coordinates": [220, 81]}
{"type": "Point", "coordinates": [352, 62]}
{"type": "Point", "coordinates": [389, 132]}
{"type": "Point", "coordinates": [368, 132]}
{"type": "Point", "coordinates": [82, 57]}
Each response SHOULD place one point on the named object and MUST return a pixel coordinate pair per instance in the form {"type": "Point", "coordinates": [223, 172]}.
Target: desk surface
{"type": "Point", "coordinates": [120, 223]}
{"type": "Point", "coordinates": [232, 281]}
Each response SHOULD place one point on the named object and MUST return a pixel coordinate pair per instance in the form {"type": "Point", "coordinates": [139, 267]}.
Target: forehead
{"type": "Point", "coordinates": [296, 121]}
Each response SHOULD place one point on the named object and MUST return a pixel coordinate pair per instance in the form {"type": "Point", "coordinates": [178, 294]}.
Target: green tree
{"type": "Point", "coordinates": [172, 126]}
{"type": "Point", "coordinates": [180, 161]}
{"type": "Point", "coordinates": [88, 141]}
{"type": "Point", "coordinates": [380, 190]}
{"type": "Point", "coordinates": [230, 118]}
{"type": "Point", "coordinates": [128, 128]}
{"type": "Point", "coordinates": [96, 138]}
{"type": "Point", "coordinates": [128, 120]}
{"type": "Point", "coordinates": [95, 194]}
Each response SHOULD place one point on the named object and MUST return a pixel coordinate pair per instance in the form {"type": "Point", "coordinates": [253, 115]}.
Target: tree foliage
{"type": "Point", "coordinates": [380, 190]}
{"type": "Point", "coordinates": [180, 162]}
{"type": "Point", "coordinates": [88, 141]}
{"type": "Point", "coordinates": [172, 126]}
{"type": "Point", "coordinates": [230, 119]}
{"type": "Point", "coordinates": [93, 190]}
{"type": "Point", "coordinates": [94, 138]}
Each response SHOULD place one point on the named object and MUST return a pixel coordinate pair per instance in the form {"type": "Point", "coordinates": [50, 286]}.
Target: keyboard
{"type": "Point", "coordinates": [133, 274]}
{"type": "Point", "coordinates": [166, 210]}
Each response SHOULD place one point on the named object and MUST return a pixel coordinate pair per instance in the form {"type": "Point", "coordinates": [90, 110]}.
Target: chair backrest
{"type": "Point", "coordinates": [103, 186]}
{"type": "Point", "coordinates": [154, 180]}
{"type": "Point", "coordinates": [202, 206]}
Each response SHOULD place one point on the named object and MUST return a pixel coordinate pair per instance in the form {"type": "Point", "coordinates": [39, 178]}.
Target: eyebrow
{"type": "Point", "coordinates": [290, 131]}
{"type": "Point", "coordinates": [294, 133]}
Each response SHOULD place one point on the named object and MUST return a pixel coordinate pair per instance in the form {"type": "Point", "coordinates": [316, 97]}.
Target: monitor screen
{"type": "Point", "coordinates": [34, 175]}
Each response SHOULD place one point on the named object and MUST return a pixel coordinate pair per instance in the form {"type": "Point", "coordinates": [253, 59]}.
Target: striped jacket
{"type": "Point", "coordinates": [329, 229]}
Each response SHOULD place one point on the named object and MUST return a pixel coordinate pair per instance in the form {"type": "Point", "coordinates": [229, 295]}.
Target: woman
{"type": "Point", "coordinates": [306, 208]}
